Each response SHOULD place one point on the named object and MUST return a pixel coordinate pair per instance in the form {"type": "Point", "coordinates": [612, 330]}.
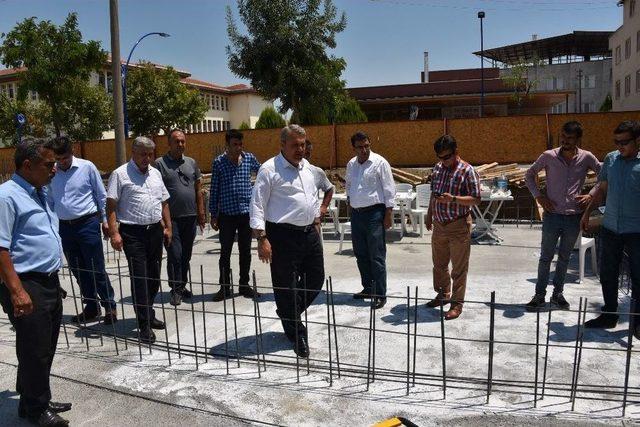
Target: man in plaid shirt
{"type": "Point", "coordinates": [455, 187]}
{"type": "Point", "coordinates": [229, 206]}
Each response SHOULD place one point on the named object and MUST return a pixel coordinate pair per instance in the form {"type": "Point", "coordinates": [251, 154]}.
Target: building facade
{"type": "Point", "coordinates": [625, 45]}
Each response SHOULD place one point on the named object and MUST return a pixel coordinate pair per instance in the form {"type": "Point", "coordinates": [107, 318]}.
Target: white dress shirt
{"type": "Point", "coordinates": [370, 183]}
{"type": "Point", "coordinates": [78, 191]}
{"type": "Point", "coordinates": [139, 195]}
{"type": "Point", "coordinates": [284, 193]}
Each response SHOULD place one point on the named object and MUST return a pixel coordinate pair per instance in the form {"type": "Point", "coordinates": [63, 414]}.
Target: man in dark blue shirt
{"type": "Point", "coordinates": [229, 207]}
{"type": "Point", "coordinates": [30, 293]}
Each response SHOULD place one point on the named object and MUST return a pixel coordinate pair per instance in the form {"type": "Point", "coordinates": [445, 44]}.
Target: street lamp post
{"type": "Point", "coordinates": [481, 17]}
{"type": "Point", "coordinates": [124, 70]}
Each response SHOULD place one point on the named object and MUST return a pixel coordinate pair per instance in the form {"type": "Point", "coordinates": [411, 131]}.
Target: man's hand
{"type": "Point", "coordinates": [167, 235]}
{"type": "Point", "coordinates": [584, 222]}
{"type": "Point", "coordinates": [22, 304]}
{"type": "Point", "coordinates": [323, 211]}
{"type": "Point", "coordinates": [105, 230]}
{"type": "Point", "coordinates": [429, 223]}
{"type": "Point", "coordinates": [583, 200]}
{"type": "Point", "coordinates": [116, 241]}
{"type": "Point", "coordinates": [387, 220]}
{"type": "Point", "coordinates": [264, 250]}
{"type": "Point", "coordinates": [202, 220]}
{"type": "Point", "coordinates": [445, 198]}
{"type": "Point", "coordinates": [546, 204]}
{"type": "Point", "coordinates": [214, 223]}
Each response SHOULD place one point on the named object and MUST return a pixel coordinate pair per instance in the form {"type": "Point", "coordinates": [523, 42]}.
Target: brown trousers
{"type": "Point", "coordinates": [451, 242]}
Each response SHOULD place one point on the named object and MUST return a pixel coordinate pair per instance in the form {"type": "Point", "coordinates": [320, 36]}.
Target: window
{"type": "Point", "coordinates": [627, 48]}
{"type": "Point", "coordinates": [558, 108]}
{"type": "Point", "coordinates": [217, 102]}
{"type": "Point", "coordinates": [227, 105]}
{"type": "Point", "coordinates": [618, 55]}
{"type": "Point", "coordinates": [588, 107]}
{"type": "Point", "coordinates": [617, 89]}
{"type": "Point", "coordinates": [228, 125]}
{"type": "Point", "coordinates": [627, 85]}
{"type": "Point", "coordinates": [588, 81]}
{"type": "Point", "coordinates": [33, 95]}
{"type": "Point", "coordinates": [222, 103]}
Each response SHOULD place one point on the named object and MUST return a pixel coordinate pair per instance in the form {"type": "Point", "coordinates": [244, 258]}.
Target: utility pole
{"type": "Point", "coordinates": [117, 83]}
{"type": "Point", "coordinates": [579, 109]}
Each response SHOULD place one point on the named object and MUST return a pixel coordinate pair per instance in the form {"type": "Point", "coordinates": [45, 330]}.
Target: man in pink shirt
{"type": "Point", "coordinates": [566, 168]}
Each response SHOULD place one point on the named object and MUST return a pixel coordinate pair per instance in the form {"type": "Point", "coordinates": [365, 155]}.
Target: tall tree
{"type": "Point", "coordinates": [270, 119]}
{"type": "Point", "coordinates": [157, 100]}
{"type": "Point", "coordinates": [284, 53]}
{"type": "Point", "coordinates": [58, 67]}
{"type": "Point", "coordinates": [523, 78]}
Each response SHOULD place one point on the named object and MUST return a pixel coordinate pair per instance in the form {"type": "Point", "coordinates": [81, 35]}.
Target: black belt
{"type": "Point", "coordinates": [83, 218]}
{"type": "Point", "coordinates": [302, 228]}
{"type": "Point", "coordinates": [141, 227]}
{"type": "Point", "coordinates": [35, 275]}
{"type": "Point", "coordinates": [368, 208]}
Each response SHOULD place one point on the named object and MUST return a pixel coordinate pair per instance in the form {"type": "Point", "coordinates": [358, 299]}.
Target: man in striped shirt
{"type": "Point", "coordinates": [455, 187]}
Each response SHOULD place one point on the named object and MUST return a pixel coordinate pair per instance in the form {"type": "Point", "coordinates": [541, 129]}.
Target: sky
{"type": "Point", "coordinates": [383, 43]}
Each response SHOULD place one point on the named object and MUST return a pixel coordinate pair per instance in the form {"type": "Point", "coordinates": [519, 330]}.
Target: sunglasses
{"type": "Point", "coordinates": [624, 141]}
{"type": "Point", "coordinates": [447, 157]}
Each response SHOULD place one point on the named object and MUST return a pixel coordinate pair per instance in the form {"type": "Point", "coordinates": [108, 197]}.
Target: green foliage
{"type": "Point", "coordinates": [520, 82]}
{"type": "Point", "coordinates": [58, 66]}
{"type": "Point", "coordinates": [283, 52]}
{"type": "Point", "coordinates": [270, 119]}
{"type": "Point", "coordinates": [37, 114]}
{"type": "Point", "coordinates": [607, 104]}
{"type": "Point", "coordinates": [349, 111]}
{"type": "Point", "coordinates": [157, 100]}
{"type": "Point", "coordinates": [244, 126]}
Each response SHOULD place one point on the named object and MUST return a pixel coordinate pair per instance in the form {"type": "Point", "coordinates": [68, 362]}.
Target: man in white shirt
{"type": "Point", "coordinates": [283, 215]}
{"type": "Point", "coordinates": [371, 192]}
{"type": "Point", "coordinates": [137, 198]}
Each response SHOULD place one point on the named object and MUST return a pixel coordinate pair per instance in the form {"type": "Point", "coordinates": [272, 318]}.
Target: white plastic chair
{"type": "Point", "coordinates": [333, 213]}
{"type": "Point", "coordinates": [586, 243]}
{"type": "Point", "coordinates": [345, 228]}
{"type": "Point", "coordinates": [403, 188]}
{"type": "Point", "coordinates": [423, 196]}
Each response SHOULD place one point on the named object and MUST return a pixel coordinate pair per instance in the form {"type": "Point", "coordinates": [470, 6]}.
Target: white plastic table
{"type": "Point", "coordinates": [485, 219]}
{"type": "Point", "coordinates": [404, 199]}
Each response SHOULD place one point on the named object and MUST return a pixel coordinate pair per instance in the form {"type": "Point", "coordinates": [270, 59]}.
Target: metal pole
{"type": "Point", "coordinates": [408, 338]}
{"type": "Point", "coordinates": [193, 320]}
{"type": "Point", "coordinates": [546, 357]}
{"type": "Point", "coordinates": [164, 319]}
{"type": "Point", "coordinates": [443, 347]}
{"type": "Point", "coordinates": [481, 16]}
{"type": "Point", "coordinates": [126, 342]}
{"type": "Point", "coordinates": [415, 335]}
{"type": "Point", "coordinates": [204, 319]}
{"type": "Point", "coordinates": [575, 354]}
{"type": "Point", "coordinates": [235, 322]}
{"type": "Point", "coordinates": [535, 387]}
{"type": "Point", "coordinates": [575, 392]}
{"type": "Point", "coordinates": [118, 107]}
{"type": "Point", "coordinates": [264, 359]}
{"type": "Point", "coordinates": [492, 323]}
{"type": "Point", "coordinates": [329, 334]}
{"type": "Point", "coordinates": [335, 329]}
{"type": "Point", "coordinates": [175, 310]}
{"type": "Point", "coordinates": [632, 320]}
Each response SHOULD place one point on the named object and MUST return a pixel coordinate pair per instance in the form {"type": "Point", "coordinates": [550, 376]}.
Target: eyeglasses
{"type": "Point", "coordinates": [624, 141]}
{"type": "Point", "coordinates": [447, 157]}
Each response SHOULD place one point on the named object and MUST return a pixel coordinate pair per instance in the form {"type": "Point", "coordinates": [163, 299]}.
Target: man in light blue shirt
{"type": "Point", "coordinates": [619, 182]}
{"type": "Point", "coordinates": [79, 200]}
{"type": "Point", "coordinates": [30, 293]}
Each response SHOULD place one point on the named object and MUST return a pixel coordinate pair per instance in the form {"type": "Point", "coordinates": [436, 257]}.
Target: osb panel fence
{"type": "Point", "coordinates": [518, 139]}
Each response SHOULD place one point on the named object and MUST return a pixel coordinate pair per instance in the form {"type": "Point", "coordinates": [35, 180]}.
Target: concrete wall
{"type": "Point", "coordinates": [518, 139]}
{"type": "Point", "coordinates": [627, 66]}
{"type": "Point", "coordinates": [247, 107]}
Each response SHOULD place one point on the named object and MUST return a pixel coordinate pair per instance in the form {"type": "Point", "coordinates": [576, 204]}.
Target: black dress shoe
{"type": "Point", "coordinates": [58, 407]}
{"type": "Point", "coordinates": [604, 321]}
{"type": "Point", "coordinates": [147, 335]}
{"type": "Point", "coordinates": [157, 324]}
{"type": "Point", "coordinates": [301, 348]}
{"type": "Point", "coordinates": [363, 294]}
{"type": "Point", "coordinates": [48, 418]}
{"type": "Point", "coordinates": [86, 316]}
{"type": "Point", "coordinates": [225, 292]}
{"type": "Point", "coordinates": [248, 292]}
{"type": "Point", "coordinates": [636, 331]}
{"type": "Point", "coordinates": [186, 293]}
{"type": "Point", "coordinates": [379, 302]}
{"type": "Point", "coordinates": [176, 298]}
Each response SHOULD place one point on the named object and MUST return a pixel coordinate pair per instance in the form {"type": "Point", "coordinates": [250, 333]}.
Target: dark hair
{"type": "Point", "coordinates": [572, 128]}
{"type": "Point", "coordinates": [307, 144]}
{"type": "Point", "coordinates": [30, 148]}
{"type": "Point", "coordinates": [172, 131]}
{"type": "Point", "coordinates": [359, 136]}
{"type": "Point", "coordinates": [630, 126]}
{"type": "Point", "coordinates": [62, 145]}
{"type": "Point", "coordinates": [445, 142]}
{"type": "Point", "coordinates": [233, 134]}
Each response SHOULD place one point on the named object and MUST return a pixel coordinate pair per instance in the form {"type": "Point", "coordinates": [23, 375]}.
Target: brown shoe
{"type": "Point", "coordinates": [454, 312]}
{"type": "Point", "coordinates": [110, 317]}
{"type": "Point", "coordinates": [439, 300]}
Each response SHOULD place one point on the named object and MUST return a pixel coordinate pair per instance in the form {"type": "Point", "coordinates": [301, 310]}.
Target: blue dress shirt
{"type": "Point", "coordinates": [230, 191]}
{"type": "Point", "coordinates": [29, 227]}
{"type": "Point", "coordinates": [78, 191]}
{"type": "Point", "coordinates": [623, 193]}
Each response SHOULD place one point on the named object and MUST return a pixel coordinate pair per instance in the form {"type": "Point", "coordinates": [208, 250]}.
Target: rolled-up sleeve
{"type": "Point", "coordinates": [532, 173]}
{"type": "Point", "coordinates": [473, 183]}
{"type": "Point", "coordinates": [259, 199]}
{"type": "Point", "coordinates": [388, 185]}
{"type": "Point", "coordinates": [7, 219]}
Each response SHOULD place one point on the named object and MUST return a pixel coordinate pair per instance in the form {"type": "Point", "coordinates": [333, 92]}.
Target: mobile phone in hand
{"type": "Point", "coordinates": [437, 194]}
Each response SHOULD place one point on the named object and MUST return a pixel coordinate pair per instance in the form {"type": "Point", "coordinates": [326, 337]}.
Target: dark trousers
{"type": "Point", "coordinates": [229, 226]}
{"type": "Point", "coordinates": [36, 338]}
{"type": "Point", "coordinates": [143, 249]}
{"type": "Point", "coordinates": [179, 251]}
{"type": "Point", "coordinates": [297, 273]}
{"type": "Point", "coordinates": [613, 245]}
{"type": "Point", "coordinates": [370, 248]}
{"type": "Point", "coordinates": [554, 227]}
{"type": "Point", "coordinates": [82, 246]}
